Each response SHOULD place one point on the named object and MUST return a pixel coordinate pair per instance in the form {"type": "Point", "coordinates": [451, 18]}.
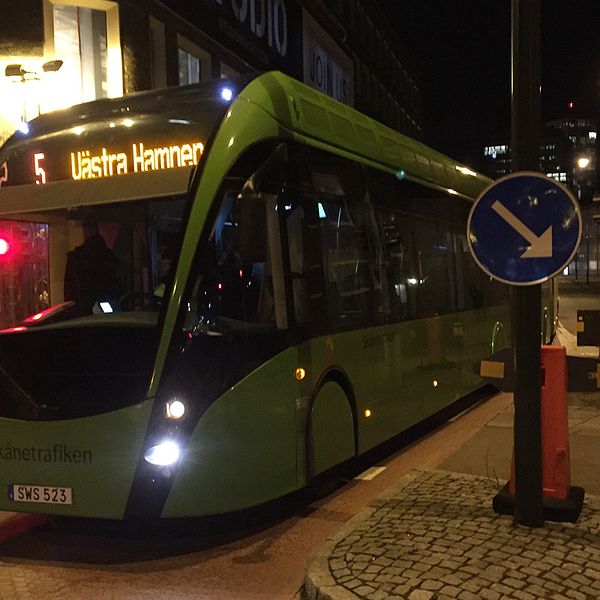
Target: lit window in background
{"type": "Point", "coordinates": [189, 68]}
{"type": "Point", "coordinates": [80, 40]}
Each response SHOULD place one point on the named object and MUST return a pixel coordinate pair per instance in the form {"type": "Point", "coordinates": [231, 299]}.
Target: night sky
{"type": "Point", "coordinates": [462, 51]}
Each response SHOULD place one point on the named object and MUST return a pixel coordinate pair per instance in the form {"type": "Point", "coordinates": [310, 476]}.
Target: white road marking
{"type": "Point", "coordinates": [370, 473]}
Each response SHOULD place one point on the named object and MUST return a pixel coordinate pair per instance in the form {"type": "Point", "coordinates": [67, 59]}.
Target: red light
{"type": "Point", "coordinates": [219, 286]}
{"type": "Point", "coordinates": [4, 247]}
{"type": "Point", "coordinates": [570, 105]}
{"type": "Point", "coordinates": [13, 329]}
{"type": "Point", "coordinates": [241, 273]}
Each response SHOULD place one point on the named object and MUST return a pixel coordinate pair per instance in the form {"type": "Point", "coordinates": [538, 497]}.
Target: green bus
{"type": "Point", "coordinates": [211, 295]}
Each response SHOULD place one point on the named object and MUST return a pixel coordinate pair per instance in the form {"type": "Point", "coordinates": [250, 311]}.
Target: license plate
{"type": "Point", "coordinates": [40, 494]}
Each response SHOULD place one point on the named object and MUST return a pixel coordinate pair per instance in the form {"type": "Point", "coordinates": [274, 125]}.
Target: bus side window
{"type": "Point", "coordinates": [344, 218]}
{"type": "Point", "coordinates": [395, 262]}
{"type": "Point", "coordinates": [237, 283]}
{"type": "Point", "coordinates": [299, 269]}
{"type": "Point", "coordinates": [433, 269]}
{"type": "Point", "coordinates": [301, 235]}
{"type": "Point", "coordinates": [400, 269]}
{"type": "Point", "coordinates": [234, 283]}
{"type": "Point", "coordinates": [347, 263]}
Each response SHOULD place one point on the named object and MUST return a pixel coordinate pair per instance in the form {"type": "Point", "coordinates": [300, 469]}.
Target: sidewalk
{"type": "Point", "coordinates": [434, 536]}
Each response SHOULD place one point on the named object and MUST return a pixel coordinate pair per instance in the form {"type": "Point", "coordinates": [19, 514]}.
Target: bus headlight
{"type": "Point", "coordinates": [175, 409]}
{"type": "Point", "coordinates": [163, 455]}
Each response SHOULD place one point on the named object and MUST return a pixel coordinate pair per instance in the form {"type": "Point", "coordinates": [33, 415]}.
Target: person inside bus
{"type": "Point", "coordinates": [91, 274]}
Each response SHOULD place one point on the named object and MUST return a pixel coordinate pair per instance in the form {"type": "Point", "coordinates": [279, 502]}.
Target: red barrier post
{"type": "Point", "coordinates": [561, 501]}
{"type": "Point", "coordinates": [555, 425]}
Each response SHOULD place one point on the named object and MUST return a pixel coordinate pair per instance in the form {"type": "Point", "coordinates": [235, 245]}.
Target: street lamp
{"type": "Point", "coordinates": [583, 162]}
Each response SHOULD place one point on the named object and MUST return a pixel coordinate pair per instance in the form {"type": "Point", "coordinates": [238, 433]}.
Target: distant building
{"type": "Point", "coordinates": [56, 53]}
{"type": "Point", "coordinates": [496, 160]}
{"type": "Point", "coordinates": [556, 155]}
{"type": "Point", "coordinates": [582, 136]}
{"type": "Point", "coordinates": [568, 153]}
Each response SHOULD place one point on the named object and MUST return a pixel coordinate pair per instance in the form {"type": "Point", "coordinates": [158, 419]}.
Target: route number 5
{"type": "Point", "coordinates": [40, 174]}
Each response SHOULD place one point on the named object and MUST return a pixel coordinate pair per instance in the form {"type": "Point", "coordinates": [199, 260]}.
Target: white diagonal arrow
{"type": "Point", "coordinates": [541, 246]}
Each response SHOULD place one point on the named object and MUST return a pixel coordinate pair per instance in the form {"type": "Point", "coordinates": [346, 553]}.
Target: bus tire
{"type": "Point", "coordinates": [331, 435]}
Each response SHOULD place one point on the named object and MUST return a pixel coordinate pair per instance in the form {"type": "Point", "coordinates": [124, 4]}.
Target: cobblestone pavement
{"type": "Point", "coordinates": [434, 535]}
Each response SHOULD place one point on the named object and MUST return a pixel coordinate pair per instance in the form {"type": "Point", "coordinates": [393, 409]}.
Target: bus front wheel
{"type": "Point", "coordinates": [331, 430]}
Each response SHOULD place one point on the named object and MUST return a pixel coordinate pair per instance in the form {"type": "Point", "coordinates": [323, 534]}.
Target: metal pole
{"type": "Point", "coordinates": [587, 248]}
{"type": "Point", "coordinates": [526, 301]}
{"type": "Point", "coordinates": [597, 248]}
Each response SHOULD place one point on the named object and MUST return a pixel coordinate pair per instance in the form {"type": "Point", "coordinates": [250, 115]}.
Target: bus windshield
{"type": "Point", "coordinates": [109, 263]}
{"type": "Point", "coordinates": [91, 200]}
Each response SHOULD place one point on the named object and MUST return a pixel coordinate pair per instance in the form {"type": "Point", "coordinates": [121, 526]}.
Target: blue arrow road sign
{"type": "Point", "coordinates": [524, 228]}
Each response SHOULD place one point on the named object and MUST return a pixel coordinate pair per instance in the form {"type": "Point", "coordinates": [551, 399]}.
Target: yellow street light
{"type": "Point", "coordinates": [583, 162]}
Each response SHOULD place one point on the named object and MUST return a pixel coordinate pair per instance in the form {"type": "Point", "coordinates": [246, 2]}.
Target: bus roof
{"type": "Point", "coordinates": [327, 122]}
{"type": "Point", "coordinates": [147, 144]}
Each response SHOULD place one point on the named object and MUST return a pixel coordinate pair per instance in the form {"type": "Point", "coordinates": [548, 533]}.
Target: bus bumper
{"type": "Point", "coordinates": [78, 467]}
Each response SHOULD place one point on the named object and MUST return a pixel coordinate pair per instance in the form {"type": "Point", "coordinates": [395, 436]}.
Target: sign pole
{"type": "Point", "coordinates": [526, 300]}
{"type": "Point", "coordinates": [524, 229]}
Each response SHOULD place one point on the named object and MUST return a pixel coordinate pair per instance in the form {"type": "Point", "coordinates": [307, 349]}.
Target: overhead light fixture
{"type": "Point", "coordinates": [14, 71]}
{"type": "Point", "coordinates": [52, 66]}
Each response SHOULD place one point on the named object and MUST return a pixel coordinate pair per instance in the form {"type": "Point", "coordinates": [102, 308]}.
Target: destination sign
{"type": "Point", "coordinates": [87, 164]}
{"type": "Point", "coordinates": [59, 162]}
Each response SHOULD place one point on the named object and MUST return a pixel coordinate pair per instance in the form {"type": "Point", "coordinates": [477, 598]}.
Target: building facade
{"type": "Point", "coordinates": [568, 153]}
{"type": "Point", "coordinates": [56, 53]}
